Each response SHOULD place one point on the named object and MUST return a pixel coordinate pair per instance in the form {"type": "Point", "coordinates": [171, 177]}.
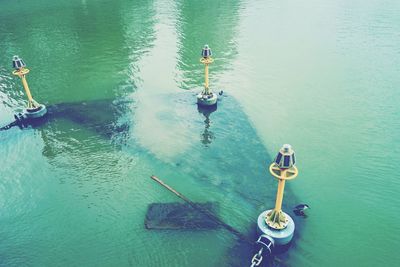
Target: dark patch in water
{"type": "Point", "coordinates": [100, 116]}
{"type": "Point", "coordinates": [174, 216]}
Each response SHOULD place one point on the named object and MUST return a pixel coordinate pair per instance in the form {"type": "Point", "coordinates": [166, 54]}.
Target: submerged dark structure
{"type": "Point", "coordinates": [101, 116]}
{"type": "Point", "coordinates": [174, 216]}
{"type": "Point", "coordinates": [111, 119]}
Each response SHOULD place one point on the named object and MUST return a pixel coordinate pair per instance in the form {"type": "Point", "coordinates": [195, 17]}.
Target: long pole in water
{"type": "Point", "coordinates": [279, 193]}
{"type": "Point", "coordinates": [27, 91]}
{"type": "Point", "coordinates": [204, 211]}
{"type": "Point", "coordinates": [206, 79]}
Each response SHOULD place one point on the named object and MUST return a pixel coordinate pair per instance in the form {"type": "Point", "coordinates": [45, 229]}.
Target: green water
{"type": "Point", "coordinates": [320, 75]}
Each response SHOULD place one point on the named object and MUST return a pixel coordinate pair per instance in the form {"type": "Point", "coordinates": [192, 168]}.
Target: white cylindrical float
{"type": "Point", "coordinates": [207, 99]}
{"type": "Point", "coordinates": [35, 113]}
{"type": "Point", "coordinates": [282, 236]}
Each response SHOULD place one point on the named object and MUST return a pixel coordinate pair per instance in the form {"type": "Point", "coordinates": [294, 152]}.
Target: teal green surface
{"type": "Point", "coordinates": [320, 75]}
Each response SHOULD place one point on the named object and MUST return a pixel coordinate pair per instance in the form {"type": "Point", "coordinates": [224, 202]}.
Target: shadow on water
{"type": "Point", "coordinates": [228, 160]}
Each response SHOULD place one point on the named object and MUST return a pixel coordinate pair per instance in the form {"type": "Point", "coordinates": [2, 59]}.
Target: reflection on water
{"type": "Point", "coordinates": [207, 136]}
{"type": "Point", "coordinates": [161, 124]}
{"type": "Point", "coordinates": [205, 22]}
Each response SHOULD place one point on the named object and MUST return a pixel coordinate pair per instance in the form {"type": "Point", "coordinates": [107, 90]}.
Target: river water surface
{"type": "Point", "coordinates": [121, 77]}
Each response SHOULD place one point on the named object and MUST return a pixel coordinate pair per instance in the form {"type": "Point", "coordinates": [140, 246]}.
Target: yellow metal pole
{"type": "Point", "coordinates": [206, 78]}
{"type": "Point", "coordinates": [27, 91]}
{"type": "Point", "coordinates": [276, 218]}
{"type": "Point", "coordinates": [279, 195]}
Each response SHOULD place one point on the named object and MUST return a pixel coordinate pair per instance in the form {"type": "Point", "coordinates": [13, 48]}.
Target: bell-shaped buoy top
{"type": "Point", "coordinates": [206, 52]}
{"type": "Point", "coordinates": [18, 63]}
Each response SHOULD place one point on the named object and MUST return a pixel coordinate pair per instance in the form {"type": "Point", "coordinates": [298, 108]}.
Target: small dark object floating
{"type": "Point", "coordinates": [299, 209]}
{"type": "Point", "coordinates": [176, 216]}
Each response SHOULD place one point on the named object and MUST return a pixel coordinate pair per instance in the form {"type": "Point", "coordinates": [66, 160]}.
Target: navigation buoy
{"type": "Point", "coordinates": [206, 97]}
{"type": "Point", "coordinates": [276, 223]}
{"type": "Point", "coordinates": [33, 110]}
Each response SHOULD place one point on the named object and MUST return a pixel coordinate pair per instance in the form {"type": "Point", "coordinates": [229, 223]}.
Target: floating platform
{"type": "Point", "coordinates": [281, 237]}
{"type": "Point", "coordinates": [207, 99]}
{"type": "Point", "coordinates": [175, 216]}
{"type": "Point", "coordinates": [35, 113]}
